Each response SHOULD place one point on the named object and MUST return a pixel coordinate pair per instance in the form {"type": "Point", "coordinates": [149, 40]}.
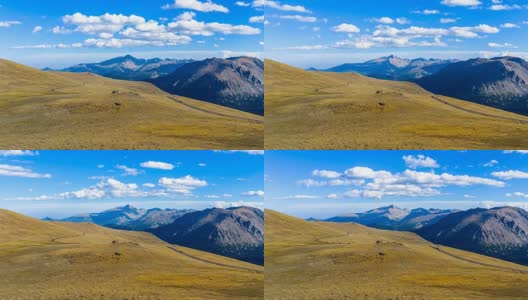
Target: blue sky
{"type": "Point", "coordinates": [64, 183]}
{"type": "Point", "coordinates": [331, 32]}
{"type": "Point", "coordinates": [328, 183]}
{"type": "Point", "coordinates": [59, 33]}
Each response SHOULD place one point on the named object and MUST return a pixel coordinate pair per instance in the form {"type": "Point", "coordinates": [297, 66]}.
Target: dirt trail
{"type": "Point", "coordinates": [212, 262]}
{"type": "Point", "coordinates": [478, 113]}
{"type": "Point", "coordinates": [215, 113]}
{"type": "Point", "coordinates": [477, 262]}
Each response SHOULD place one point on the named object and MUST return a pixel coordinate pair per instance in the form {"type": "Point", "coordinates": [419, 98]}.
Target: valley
{"type": "Point", "coordinates": [85, 261]}
{"type": "Point", "coordinates": [322, 110]}
{"type": "Point", "coordinates": [318, 260]}
{"type": "Point", "coordinates": [57, 110]}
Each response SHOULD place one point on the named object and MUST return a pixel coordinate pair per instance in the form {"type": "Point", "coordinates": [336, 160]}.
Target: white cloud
{"type": "Point", "coordinates": [128, 171]}
{"type": "Point", "coordinates": [258, 193]}
{"type": "Point", "coordinates": [511, 174]}
{"type": "Point", "coordinates": [420, 161]}
{"type": "Point", "coordinates": [299, 18]}
{"type": "Point", "coordinates": [17, 171]}
{"type": "Point", "coordinates": [517, 194]}
{"type": "Point", "coordinates": [345, 27]}
{"type": "Point", "coordinates": [207, 6]}
{"type": "Point", "coordinates": [60, 30]}
{"type": "Point", "coordinates": [493, 204]}
{"type": "Point", "coordinates": [332, 196]}
{"type": "Point", "coordinates": [277, 5]}
{"type": "Point", "coordinates": [186, 24]}
{"type": "Point", "coordinates": [243, 4]}
{"type": "Point", "coordinates": [383, 20]}
{"type": "Point", "coordinates": [182, 185]}
{"type": "Point", "coordinates": [427, 12]}
{"type": "Point", "coordinates": [157, 165]}
{"type": "Point", "coordinates": [509, 25]}
{"type": "Point", "coordinates": [461, 2]}
{"type": "Point", "coordinates": [516, 151]}
{"type": "Point", "coordinates": [6, 153]}
{"type": "Point", "coordinates": [149, 185]}
{"type": "Point", "coordinates": [7, 24]}
{"type": "Point", "coordinates": [326, 174]}
{"type": "Point", "coordinates": [37, 29]}
{"type": "Point", "coordinates": [498, 7]}
{"type": "Point", "coordinates": [257, 19]}
{"type": "Point", "coordinates": [298, 197]}
{"type": "Point", "coordinates": [447, 20]}
{"type": "Point", "coordinates": [250, 152]}
{"type": "Point", "coordinates": [499, 45]}
{"type": "Point", "coordinates": [311, 183]}
{"type": "Point", "coordinates": [491, 163]}
{"type": "Point", "coordinates": [224, 204]}
{"type": "Point", "coordinates": [202, 165]}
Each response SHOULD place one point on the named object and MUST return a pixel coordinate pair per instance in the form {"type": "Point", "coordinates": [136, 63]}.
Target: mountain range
{"type": "Point", "coordinates": [394, 68]}
{"type": "Point", "coordinates": [236, 82]}
{"type": "Point", "coordinates": [129, 218]}
{"type": "Point", "coordinates": [498, 232]}
{"type": "Point", "coordinates": [500, 82]}
{"type": "Point", "coordinates": [130, 68]}
{"type": "Point", "coordinates": [394, 218]}
{"type": "Point", "coordinates": [233, 232]}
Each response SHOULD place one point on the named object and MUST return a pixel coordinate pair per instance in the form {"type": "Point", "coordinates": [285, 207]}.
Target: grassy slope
{"type": "Point", "coordinates": [47, 260]}
{"type": "Point", "coordinates": [349, 261]}
{"type": "Point", "coordinates": [318, 110]}
{"type": "Point", "coordinates": [52, 110]}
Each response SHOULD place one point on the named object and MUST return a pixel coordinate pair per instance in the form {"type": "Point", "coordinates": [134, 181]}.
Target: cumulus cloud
{"type": "Point", "coordinates": [499, 7]}
{"type": "Point", "coordinates": [427, 12]}
{"type": "Point", "coordinates": [420, 161]}
{"type": "Point", "coordinates": [157, 165]}
{"type": "Point", "coordinates": [225, 204]}
{"type": "Point", "coordinates": [6, 153]}
{"type": "Point", "coordinates": [345, 27]}
{"type": "Point", "coordinates": [37, 29]}
{"type": "Point", "coordinates": [181, 185]}
{"type": "Point", "coordinates": [128, 171]}
{"type": "Point", "coordinates": [499, 45]}
{"type": "Point", "coordinates": [461, 2]}
{"type": "Point", "coordinates": [326, 174]}
{"type": "Point", "coordinates": [257, 19]}
{"type": "Point", "coordinates": [7, 24]}
{"type": "Point", "coordinates": [18, 171]}
{"type": "Point", "coordinates": [186, 24]}
{"type": "Point", "coordinates": [491, 163]}
{"type": "Point", "coordinates": [299, 18]}
{"type": "Point", "coordinates": [509, 25]}
{"type": "Point", "coordinates": [511, 174]}
{"type": "Point", "coordinates": [243, 4]}
{"type": "Point", "coordinates": [277, 5]}
{"type": "Point", "coordinates": [207, 6]}
{"type": "Point", "coordinates": [257, 193]}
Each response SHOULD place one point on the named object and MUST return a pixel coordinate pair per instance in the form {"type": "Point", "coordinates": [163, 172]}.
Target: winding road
{"type": "Point", "coordinates": [212, 262]}
{"type": "Point", "coordinates": [477, 262]}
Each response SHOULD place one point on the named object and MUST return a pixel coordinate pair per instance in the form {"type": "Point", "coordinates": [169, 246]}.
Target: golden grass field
{"type": "Point", "coordinates": [54, 110]}
{"type": "Point", "coordinates": [317, 260]}
{"type": "Point", "coordinates": [52, 260]}
{"type": "Point", "coordinates": [320, 110]}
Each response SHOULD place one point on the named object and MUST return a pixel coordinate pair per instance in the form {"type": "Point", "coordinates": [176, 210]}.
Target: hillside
{"type": "Point", "coordinates": [394, 68]}
{"type": "Point", "coordinates": [233, 232]}
{"type": "Point", "coordinates": [234, 82]}
{"type": "Point", "coordinates": [394, 218]}
{"type": "Point", "coordinates": [500, 82]}
{"type": "Point", "coordinates": [498, 232]}
{"type": "Point", "coordinates": [44, 260]}
{"type": "Point", "coordinates": [54, 110]}
{"type": "Point", "coordinates": [320, 110]}
{"type": "Point", "coordinates": [319, 260]}
{"type": "Point", "coordinates": [130, 68]}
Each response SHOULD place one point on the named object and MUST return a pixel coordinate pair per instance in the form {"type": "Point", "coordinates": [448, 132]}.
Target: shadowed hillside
{"type": "Point", "coordinates": [55, 260]}
{"type": "Point", "coordinates": [53, 110]}
{"type": "Point", "coordinates": [320, 260]}
{"type": "Point", "coordinates": [319, 110]}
